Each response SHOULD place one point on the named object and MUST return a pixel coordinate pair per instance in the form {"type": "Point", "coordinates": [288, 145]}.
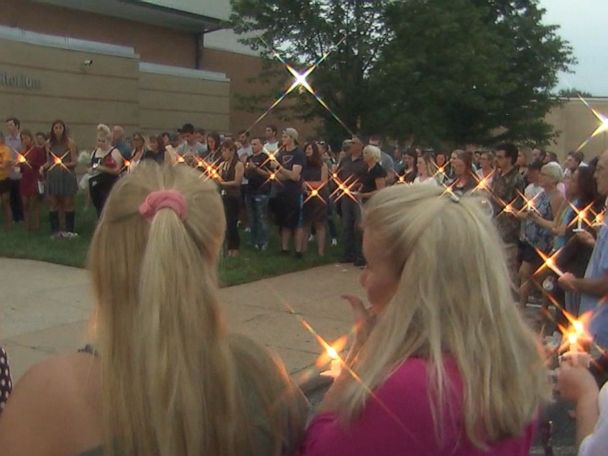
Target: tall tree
{"type": "Point", "coordinates": [434, 70]}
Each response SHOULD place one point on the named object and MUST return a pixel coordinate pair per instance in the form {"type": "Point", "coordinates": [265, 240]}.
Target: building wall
{"type": "Point", "coordinates": [576, 123]}
{"type": "Point", "coordinates": [152, 43]}
{"type": "Point", "coordinates": [112, 90]}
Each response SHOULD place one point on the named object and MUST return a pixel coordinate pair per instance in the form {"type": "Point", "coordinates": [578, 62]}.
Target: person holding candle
{"type": "Point", "coordinates": [462, 164]}
{"type": "Point", "coordinates": [315, 174]}
{"type": "Point", "coordinates": [164, 377]}
{"type": "Point", "coordinates": [575, 383]}
{"type": "Point", "coordinates": [593, 287]}
{"type": "Point", "coordinates": [33, 157]}
{"type": "Point", "coordinates": [538, 227]}
{"type": "Point", "coordinates": [61, 184]}
{"type": "Point", "coordinates": [432, 364]}
{"type": "Point", "coordinates": [374, 179]}
{"type": "Point", "coordinates": [6, 163]}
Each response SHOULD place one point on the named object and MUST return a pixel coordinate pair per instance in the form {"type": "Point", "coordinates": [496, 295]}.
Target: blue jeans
{"type": "Point", "coordinates": [257, 209]}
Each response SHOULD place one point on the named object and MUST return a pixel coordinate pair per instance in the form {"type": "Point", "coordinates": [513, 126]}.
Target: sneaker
{"type": "Point", "coordinates": [311, 238]}
{"type": "Point", "coordinates": [299, 255]}
{"type": "Point", "coordinates": [247, 229]}
{"type": "Point", "coordinates": [284, 252]}
{"type": "Point", "coordinates": [70, 235]}
{"type": "Point", "coordinates": [360, 263]}
{"type": "Point", "coordinates": [264, 247]}
{"type": "Point", "coordinates": [57, 236]}
{"type": "Point", "coordinates": [334, 242]}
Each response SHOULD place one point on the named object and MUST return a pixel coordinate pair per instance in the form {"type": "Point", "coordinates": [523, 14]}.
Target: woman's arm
{"type": "Point", "coordinates": [120, 163]}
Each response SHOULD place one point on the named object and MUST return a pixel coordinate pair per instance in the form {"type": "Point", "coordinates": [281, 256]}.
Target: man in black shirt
{"type": "Point", "coordinates": [257, 171]}
{"type": "Point", "coordinates": [350, 171]}
{"type": "Point", "coordinates": [288, 202]}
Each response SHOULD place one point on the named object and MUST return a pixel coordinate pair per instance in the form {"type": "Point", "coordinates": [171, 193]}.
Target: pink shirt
{"type": "Point", "coordinates": [407, 427]}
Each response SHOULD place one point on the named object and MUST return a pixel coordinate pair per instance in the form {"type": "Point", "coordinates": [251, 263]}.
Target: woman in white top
{"type": "Point", "coordinates": [426, 168]}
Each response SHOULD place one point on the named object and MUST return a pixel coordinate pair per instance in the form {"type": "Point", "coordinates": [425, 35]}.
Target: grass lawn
{"type": "Point", "coordinates": [251, 265]}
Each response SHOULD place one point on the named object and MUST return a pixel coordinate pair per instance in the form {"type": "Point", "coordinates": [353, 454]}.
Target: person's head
{"type": "Point", "coordinates": [371, 154]}
{"type": "Point", "coordinates": [118, 134]}
{"type": "Point", "coordinates": [409, 159]}
{"type": "Point", "coordinates": [229, 151]}
{"type": "Point", "coordinates": [174, 139]}
{"type": "Point", "coordinates": [425, 165]}
{"type": "Point", "coordinates": [271, 133]}
{"type": "Point", "coordinates": [213, 141]}
{"type": "Point", "coordinates": [12, 126]}
{"type": "Point", "coordinates": [451, 311]}
{"type": "Point", "coordinates": [533, 173]}
{"type": "Point", "coordinates": [139, 141]}
{"type": "Point", "coordinates": [506, 156]}
{"type": "Point", "coordinates": [539, 154]}
{"type": "Point", "coordinates": [582, 185]}
{"type": "Point", "coordinates": [244, 137]}
{"type": "Point", "coordinates": [27, 139]}
{"type": "Point", "coordinates": [257, 145]}
{"type": "Point", "coordinates": [187, 132]}
{"type": "Point", "coordinates": [551, 158]}
{"type": "Point", "coordinates": [289, 138]}
{"type": "Point", "coordinates": [347, 146]}
{"type": "Point", "coordinates": [313, 154]}
{"type": "Point", "coordinates": [462, 163]}
{"type": "Point", "coordinates": [375, 140]}
{"type": "Point", "coordinates": [551, 174]}
{"type": "Point", "coordinates": [154, 280]}
{"type": "Point", "coordinates": [524, 156]}
{"type": "Point", "coordinates": [356, 146]}
{"type": "Point", "coordinates": [40, 138]}
{"type": "Point", "coordinates": [166, 138]}
{"type": "Point", "coordinates": [156, 143]}
{"type": "Point", "coordinates": [573, 160]}
{"type": "Point", "coordinates": [486, 160]}
{"type": "Point", "coordinates": [58, 133]}
{"type": "Point", "coordinates": [441, 159]}
{"type": "Point", "coordinates": [104, 137]}
{"type": "Point", "coordinates": [601, 174]}
{"type": "Point", "coordinates": [200, 135]}
{"type": "Point", "coordinates": [477, 156]}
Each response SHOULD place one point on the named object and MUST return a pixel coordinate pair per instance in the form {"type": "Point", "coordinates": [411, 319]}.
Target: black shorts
{"type": "Point", "coordinates": [530, 255]}
{"type": "Point", "coordinates": [5, 186]}
{"type": "Point", "coordinates": [287, 208]}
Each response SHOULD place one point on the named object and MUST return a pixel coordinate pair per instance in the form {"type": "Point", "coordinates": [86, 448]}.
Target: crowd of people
{"type": "Point", "coordinates": [442, 238]}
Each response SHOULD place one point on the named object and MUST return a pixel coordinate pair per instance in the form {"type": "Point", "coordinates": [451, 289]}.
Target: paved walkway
{"type": "Point", "coordinates": [44, 309]}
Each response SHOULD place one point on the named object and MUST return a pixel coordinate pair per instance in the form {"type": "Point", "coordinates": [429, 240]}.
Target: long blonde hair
{"type": "Point", "coordinates": [169, 378]}
{"type": "Point", "coordinates": [454, 300]}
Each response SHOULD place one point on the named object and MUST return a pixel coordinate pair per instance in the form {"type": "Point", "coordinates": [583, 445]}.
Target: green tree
{"type": "Point", "coordinates": [451, 71]}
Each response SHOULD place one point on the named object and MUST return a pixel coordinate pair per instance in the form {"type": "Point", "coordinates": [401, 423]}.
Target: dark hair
{"type": "Point", "coordinates": [218, 142]}
{"type": "Point", "coordinates": [536, 165]}
{"type": "Point", "coordinates": [553, 157]}
{"type": "Point", "coordinates": [43, 134]}
{"type": "Point", "coordinates": [230, 145]}
{"type": "Point", "coordinates": [315, 159]}
{"type": "Point", "coordinates": [412, 153]}
{"type": "Point", "coordinates": [201, 131]}
{"type": "Point", "coordinates": [64, 137]}
{"type": "Point", "coordinates": [579, 157]}
{"type": "Point", "coordinates": [259, 138]}
{"type": "Point", "coordinates": [27, 133]}
{"type": "Point", "coordinates": [274, 128]}
{"type": "Point", "coordinates": [160, 143]}
{"type": "Point", "coordinates": [511, 151]}
{"type": "Point", "coordinates": [15, 121]}
{"type": "Point", "coordinates": [244, 132]}
{"type": "Point", "coordinates": [587, 186]}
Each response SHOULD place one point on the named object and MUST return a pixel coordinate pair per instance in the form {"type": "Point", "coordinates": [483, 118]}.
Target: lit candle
{"type": "Point", "coordinates": [335, 367]}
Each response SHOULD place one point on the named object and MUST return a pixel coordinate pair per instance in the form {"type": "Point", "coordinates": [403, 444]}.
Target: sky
{"type": "Point", "coordinates": [583, 24]}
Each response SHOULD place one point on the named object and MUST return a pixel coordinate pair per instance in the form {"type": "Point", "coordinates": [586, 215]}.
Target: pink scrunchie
{"type": "Point", "coordinates": [163, 199]}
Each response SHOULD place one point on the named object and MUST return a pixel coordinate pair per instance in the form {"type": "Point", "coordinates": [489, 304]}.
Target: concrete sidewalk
{"type": "Point", "coordinates": [44, 310]}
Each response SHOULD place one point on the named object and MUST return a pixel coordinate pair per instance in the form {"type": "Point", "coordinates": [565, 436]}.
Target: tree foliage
{"type": "Point", "coordinates": [432, 71]}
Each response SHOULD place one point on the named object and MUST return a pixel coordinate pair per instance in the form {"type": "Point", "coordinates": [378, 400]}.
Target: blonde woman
{"type": "Point", "coordinates": [426, 166]}
{"type": "Point", "coordinates": [449, 367]}
{"type": "Point", "coordinates": [164, 378]}
{"type": "Point", "coordinates": [107, 163]}
{"type": "Point", "coordinates": [374, 178]}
